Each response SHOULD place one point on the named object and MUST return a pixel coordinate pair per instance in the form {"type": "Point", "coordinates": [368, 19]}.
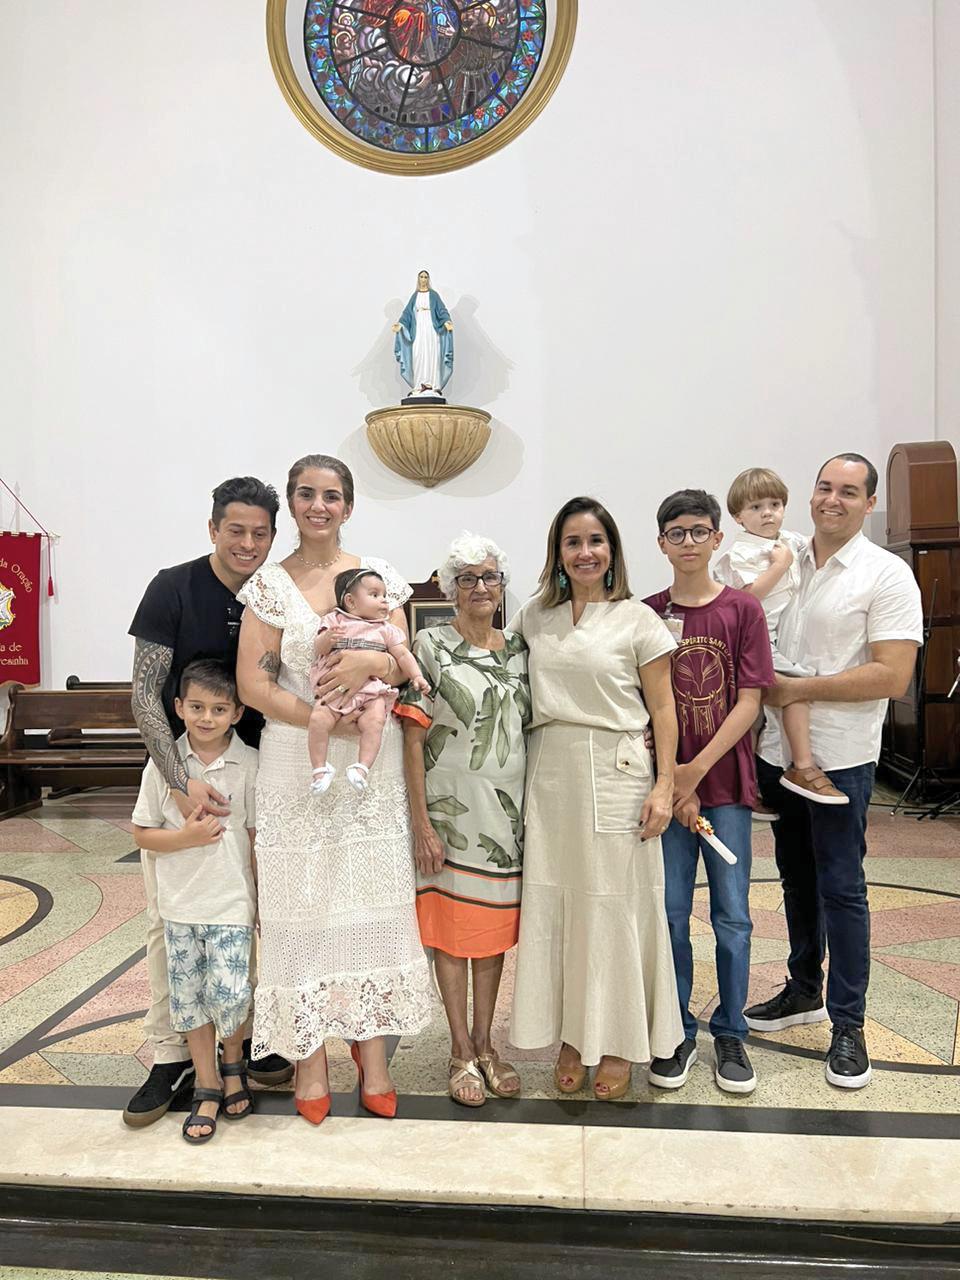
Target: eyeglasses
{"type": "Point", "coordinates": [699, 533]}
{"type": "Point", "coordinates": [469, 580]}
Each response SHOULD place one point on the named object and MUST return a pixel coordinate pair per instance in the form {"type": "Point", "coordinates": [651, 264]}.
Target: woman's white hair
{"type": "Point", "coordinates": [469, 548]}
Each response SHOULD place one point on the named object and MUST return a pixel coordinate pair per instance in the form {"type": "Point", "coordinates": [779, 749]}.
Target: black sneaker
{"type": "Point", "coordinates": [787, 1009]}
{"type": "Point", "coordinates": [848, 1063]}
{"type": "Point", "coordinates": [671, 1073]}
{"type": "Point", "coordinates": [152, 1100]}
{"type": "Point", "coordinates": [734, 1073]}
{"type": "Point", "coordinates": [269, 1070]}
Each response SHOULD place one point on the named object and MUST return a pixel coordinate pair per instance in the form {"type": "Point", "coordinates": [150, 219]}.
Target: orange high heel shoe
{"type": "Point", "coordinates": [315, 1110]}
{"type": "Point", "coordinates": [378, 1104]}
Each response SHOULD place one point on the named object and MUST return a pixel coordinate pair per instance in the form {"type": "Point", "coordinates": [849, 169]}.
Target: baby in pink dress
{"type": "Point", "coordinates": [358, 622]}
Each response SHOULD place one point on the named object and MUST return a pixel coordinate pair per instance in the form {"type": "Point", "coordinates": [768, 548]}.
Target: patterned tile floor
{"type": "Point", "coordinates": [73, 984]}
{"type": "Point", "coordinates": [42, 1273]}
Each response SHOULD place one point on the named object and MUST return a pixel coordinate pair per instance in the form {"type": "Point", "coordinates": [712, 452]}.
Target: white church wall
{"type": "Point", "coordinates": [713, 249]}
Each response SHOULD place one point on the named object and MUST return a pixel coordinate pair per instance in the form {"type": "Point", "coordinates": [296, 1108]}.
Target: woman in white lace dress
{"type": "Point", "coordinates": [340, 949]}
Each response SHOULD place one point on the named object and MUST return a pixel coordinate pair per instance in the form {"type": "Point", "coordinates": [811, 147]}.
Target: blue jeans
{"type": "Point", "coordinates": [729, 913]}
{"type": "Point", "coordinates": [820, 850]}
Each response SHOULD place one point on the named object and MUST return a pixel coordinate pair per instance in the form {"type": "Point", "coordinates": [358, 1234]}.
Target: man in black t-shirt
{"type": "Point", "coordinates": [192, 612]}
{"type": "Point", "coordinates": [188, 612]}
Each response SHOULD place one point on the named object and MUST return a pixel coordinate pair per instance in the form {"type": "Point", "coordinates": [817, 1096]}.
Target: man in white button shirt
{"type": "Point", "coordinates": [857, 620]}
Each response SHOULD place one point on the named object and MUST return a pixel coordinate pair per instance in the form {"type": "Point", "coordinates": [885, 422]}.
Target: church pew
{"type": "Point", "coordinates": [47, 742]}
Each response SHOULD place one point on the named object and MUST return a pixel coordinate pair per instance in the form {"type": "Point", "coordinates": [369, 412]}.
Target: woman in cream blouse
{"type": "Point", "coordinates": [594, 965]}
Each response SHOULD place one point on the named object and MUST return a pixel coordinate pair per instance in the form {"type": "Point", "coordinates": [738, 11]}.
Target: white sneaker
{"type": "Point", "coordinates": [357, 777]}
{"type": "Point", "coordinates": [322, 778]}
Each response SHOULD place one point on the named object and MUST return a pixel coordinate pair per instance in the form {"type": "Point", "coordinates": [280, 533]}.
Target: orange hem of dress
{"type": "Point", "coordinates": [412, 713]}
{"type": "Point", "coordinates": [437, 929]}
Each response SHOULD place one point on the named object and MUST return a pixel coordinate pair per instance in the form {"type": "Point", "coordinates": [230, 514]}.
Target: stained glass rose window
{"type": "Point", "coordinates": [418, 86]}
{"type": "Point", "coordinates": [423, 75]}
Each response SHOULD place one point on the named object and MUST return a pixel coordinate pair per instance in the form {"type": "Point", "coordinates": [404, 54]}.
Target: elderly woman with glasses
{"type": "Point", "coordinates": [464, 764]}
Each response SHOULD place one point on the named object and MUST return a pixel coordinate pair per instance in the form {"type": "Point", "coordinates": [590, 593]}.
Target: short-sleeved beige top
{"type": "Point", "coordinates": [588, 674]}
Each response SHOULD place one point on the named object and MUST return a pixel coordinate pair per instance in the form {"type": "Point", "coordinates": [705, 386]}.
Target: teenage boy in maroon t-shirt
{"type": "Point", "coordinates": [722, 664]}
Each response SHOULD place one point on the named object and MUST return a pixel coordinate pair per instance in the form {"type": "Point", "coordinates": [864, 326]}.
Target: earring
{"type": "Point", "coordinates": [563, 580]}
{"type": "Point", "coordinates": [608, 578]}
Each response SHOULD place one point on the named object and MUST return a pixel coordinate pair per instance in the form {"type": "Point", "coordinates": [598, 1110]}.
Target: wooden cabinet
{"type": "Point", "coordinates": [923, 727]}
{"type": "Point", "coordinates": [925, 716]}
{"type": "Point", "coordinates": [921, 493]}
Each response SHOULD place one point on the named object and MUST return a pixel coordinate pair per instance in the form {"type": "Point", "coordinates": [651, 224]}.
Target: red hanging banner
{"type": "Point", "coordinates": [20, 607]}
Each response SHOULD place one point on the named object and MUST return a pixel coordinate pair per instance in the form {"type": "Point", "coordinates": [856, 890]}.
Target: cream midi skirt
{"type": "Point", "coordinates": [594, 964]}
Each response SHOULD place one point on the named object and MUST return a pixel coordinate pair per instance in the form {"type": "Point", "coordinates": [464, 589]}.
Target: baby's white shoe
{"type": "Point", "coordinates": [357, 777]}
{"type": "Point", "coordinates": [322, 778]}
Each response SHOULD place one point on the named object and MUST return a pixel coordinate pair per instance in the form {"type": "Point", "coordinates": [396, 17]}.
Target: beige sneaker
{"type": "Point", "coordinates": [813, 784]}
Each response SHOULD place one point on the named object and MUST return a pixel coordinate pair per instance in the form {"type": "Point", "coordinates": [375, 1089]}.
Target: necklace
{"type": "Point", "coordinates": [316, 564]}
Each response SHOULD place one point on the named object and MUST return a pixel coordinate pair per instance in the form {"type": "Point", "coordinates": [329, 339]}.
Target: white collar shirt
{"type": "Point", "coordinates": [748, 556]}
{"type": "Point", "coordinates": [212, 884]}
{"type": "Point", "coordinates": [861, 595]}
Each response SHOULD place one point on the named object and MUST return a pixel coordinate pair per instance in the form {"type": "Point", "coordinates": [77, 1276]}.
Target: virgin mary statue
{"type": "Point", "coordinates": [424, 343]}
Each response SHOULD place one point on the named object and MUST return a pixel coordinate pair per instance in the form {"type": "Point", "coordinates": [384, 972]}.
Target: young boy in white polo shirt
{"type": "Point", "coordinates": [206, 890]}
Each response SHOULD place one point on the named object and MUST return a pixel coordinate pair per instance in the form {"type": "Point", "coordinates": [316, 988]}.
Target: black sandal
{"type": "Point", "coordinates": [194, 1118]}
{"type": "Point", "coordinates": [242, 1094]}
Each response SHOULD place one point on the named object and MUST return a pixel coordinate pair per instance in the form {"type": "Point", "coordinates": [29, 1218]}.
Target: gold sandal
{"type": "Point", "coordinates": [464, 1072]}
{"type": "Point", "coordinates": [496, 1072]}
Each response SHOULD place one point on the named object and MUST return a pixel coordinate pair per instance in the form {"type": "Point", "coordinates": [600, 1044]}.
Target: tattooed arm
{"type": "Point", "coordinates": [151, 666]}
{"type": "Point", "coordinates": [258, 664]}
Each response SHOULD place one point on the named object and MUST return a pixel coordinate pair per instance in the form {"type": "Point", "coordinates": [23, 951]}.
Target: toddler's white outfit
{"type": "Point", "coordinates": [742, 563]}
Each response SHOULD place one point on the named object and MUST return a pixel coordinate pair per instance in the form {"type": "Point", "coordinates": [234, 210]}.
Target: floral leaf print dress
{"type": "Point", "coordinates": [475, 714]}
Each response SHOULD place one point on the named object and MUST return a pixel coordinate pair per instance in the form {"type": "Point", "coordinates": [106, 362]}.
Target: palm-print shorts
{"type": "Point", "coordinates": [208, 966]}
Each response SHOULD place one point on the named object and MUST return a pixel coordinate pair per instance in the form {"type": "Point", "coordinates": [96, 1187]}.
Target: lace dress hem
{"type": "Point", "coordinates": [295, 1021]}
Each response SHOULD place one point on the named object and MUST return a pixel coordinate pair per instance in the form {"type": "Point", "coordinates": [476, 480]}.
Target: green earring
{"type": "Point", "coordinates": [608, 578]}
{"type": "Point", "coordinates": [563, 580]}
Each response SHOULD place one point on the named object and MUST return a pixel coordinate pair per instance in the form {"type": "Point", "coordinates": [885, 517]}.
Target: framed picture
{"type": "Point", "coordinates": [429, 614]}
{"type": "Point", "coordinates": [428, 608]}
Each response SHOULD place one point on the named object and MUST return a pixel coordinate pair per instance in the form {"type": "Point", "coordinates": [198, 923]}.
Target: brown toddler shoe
{"type": "Point", "coordinates": [813, 784]}
{"type": "Point", "coordinates": [763, 813]}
